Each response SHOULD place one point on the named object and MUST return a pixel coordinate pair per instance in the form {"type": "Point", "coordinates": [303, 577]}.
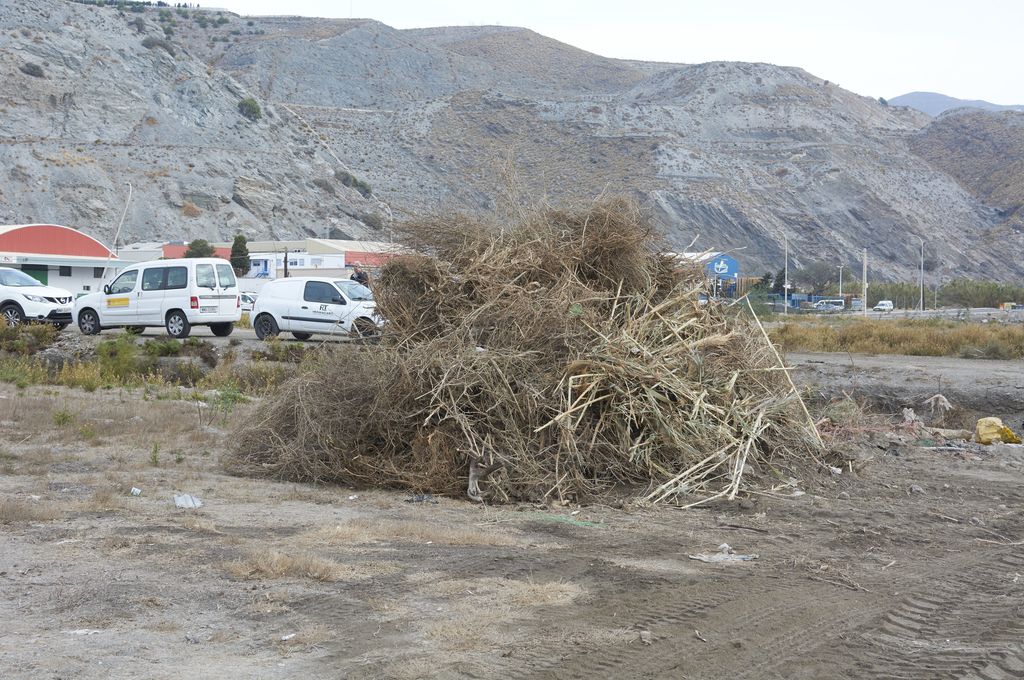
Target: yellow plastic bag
{"type": "Point", "coordinates": [991, 430]}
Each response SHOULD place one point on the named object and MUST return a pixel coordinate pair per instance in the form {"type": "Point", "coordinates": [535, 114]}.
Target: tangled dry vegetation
{"type": "Point", "coordinates": [561, 357]}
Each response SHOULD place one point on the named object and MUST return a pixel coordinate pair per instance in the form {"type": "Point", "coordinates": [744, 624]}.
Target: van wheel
{"type": "Point", "coordinates": [134, 330]}
{"type": "Point", "coordinates": [12, 315]}
{"type": "Point", "coordinates": [302, 336]}
{"type": "Point", "coordinates": [88, 322]}
{"type": "Point", "coordinates": [265, 327]}
{"type": "Point", "coordinates": [178, 325]}
{"type": "Point", "coordinates": [222, 330]}
{"type": "Point", "coordinates": [364, 330]}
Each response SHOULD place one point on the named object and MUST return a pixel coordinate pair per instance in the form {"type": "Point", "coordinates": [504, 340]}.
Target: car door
{"type": "Point", "coordinates": [120, 307]}
{"type": "Point", "coordinates": [150, 297]}
{"type": "Point", "coordinates": [321, 308]}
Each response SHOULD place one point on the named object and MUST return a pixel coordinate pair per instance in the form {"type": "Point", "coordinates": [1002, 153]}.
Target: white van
{"type": "Point", "coordinates": [314, 304]}
{"type": "Point", "coordinates": [883, 306]}
{"type": "Point", "coordinates": [175, 294]}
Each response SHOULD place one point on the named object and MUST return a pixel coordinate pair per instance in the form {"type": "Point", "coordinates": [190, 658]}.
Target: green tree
{"type": "Point", "coordinates": [778, 282]}
{"type": "Point", "coordinates": [240, 255]}
{"type": "Point", "coordinates": [199, 248]}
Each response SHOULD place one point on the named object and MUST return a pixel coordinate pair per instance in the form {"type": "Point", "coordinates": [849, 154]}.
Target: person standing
{"type": "Point", "coordinates": [359, 275]}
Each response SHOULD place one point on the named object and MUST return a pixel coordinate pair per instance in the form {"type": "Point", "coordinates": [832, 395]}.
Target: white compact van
{"type": "Point", "coordinates": [316, 304]}
{"type": "Point", "coordinates": [883, 306]}
{"type": "Point", "coordinates": [175, 294]}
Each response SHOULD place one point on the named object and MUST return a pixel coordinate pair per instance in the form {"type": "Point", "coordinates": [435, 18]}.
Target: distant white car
{"type": "Point", "coordinates": [248, 300]}
{"type": "Point", "coordinates": [307, 305]}
{"type": "Point", "coordinates": [883, 306]}
{"type": "Point", "coordinates": [176, 294]}
{"type": "Point", "coordinates": [22, 299]}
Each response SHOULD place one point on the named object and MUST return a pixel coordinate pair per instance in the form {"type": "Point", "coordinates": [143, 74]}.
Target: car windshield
{"type": "Point", "coordinates": [16, 278]}
{"type": "Point", "coordinates": [355, 291]}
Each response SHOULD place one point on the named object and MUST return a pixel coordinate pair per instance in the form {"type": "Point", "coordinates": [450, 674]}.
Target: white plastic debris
{"type": "Point", "coordinates": [83, 631]}
{"type": "Point", "coordinates": [136, 491]}
{"type": "Point", "coordinates": [187, 502]}
{"type": "Point", "coordinates": [354, 497]}
{"type": "Point", "coordinates": [725, 554]}
{"type": "Point", "coordinates": [286, 638]}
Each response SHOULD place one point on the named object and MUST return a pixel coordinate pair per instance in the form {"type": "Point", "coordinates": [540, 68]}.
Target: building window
{"type": "Point", "coordinates": [64, 271]}
{"type": "Point", "coordinates": [86, 287]}
{"type": "Point", "coordinates": [97, 272]}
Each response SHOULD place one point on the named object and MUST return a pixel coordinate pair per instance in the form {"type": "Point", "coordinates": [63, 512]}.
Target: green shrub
{"type": "Point", "coordinates": [250, 108]}
{"type": "Point", "coordinates": [152, 42]}
{"type": "Point", "coordinates": [27, 339]}
{"type": "Point", "coordinates": [351, 181]}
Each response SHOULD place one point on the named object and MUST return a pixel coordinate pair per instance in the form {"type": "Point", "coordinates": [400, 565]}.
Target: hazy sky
{"type": "Point", "coordinates": [970, 49]}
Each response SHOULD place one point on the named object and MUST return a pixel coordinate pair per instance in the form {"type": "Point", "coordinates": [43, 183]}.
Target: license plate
{"type": "Point", "coordinates": [207, 310]}
{"type": "Point", "coordinates": [63, 310]}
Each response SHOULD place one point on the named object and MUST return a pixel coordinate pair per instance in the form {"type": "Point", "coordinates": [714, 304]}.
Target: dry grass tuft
{"type": "Point", "coordinates": [268, 563]}
{"type": "Point", "coordinates": [558, 357]}
{"type": "Point", "coordinates": [368, 531]}
{"type": "Point", "coordinates": [15, 511]}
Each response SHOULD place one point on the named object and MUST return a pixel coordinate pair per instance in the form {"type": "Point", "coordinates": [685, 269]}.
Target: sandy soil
{"type": "Point", "coordinates": [911, 567]}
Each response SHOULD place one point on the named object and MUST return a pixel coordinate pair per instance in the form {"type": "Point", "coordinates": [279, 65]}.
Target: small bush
{"type": "Point", "coordinates": [191, 210]}
{"type": "Point", "coordinates": [27, 339]}
{"type": "Point", "coordinates": [353, 182]}
{"type": "Point", "coordinates": [63, 417]}
{"type": "Point", "coordinates": [152, 42]}
{"type": "Point", "coordinates": [250, 108]}
{"type": "Point", "coordinates": [325, 185]}
{"type": "Point", "coordinates": [32, 69]}
{"type": "Point", "coordinates": [372, 220]}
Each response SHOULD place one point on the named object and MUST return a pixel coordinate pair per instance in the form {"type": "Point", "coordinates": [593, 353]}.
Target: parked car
{"type": "Point", "coordinates": [303, 306]}
{"type": "Point", "coordinates": [883, 306]}
{"type": "Point", "coordinates": [248, 300]}
{"type": "Point", "coordinates": [23, 298]}
{"type": "Point", "coordinates": [175, 294]}
{"type": "Point", "coordinates": [830, 305]}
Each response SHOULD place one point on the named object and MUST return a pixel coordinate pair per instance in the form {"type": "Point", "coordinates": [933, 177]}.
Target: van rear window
{"type": "Point", "coordinates": [177, 277]}
{"type": "Point", "coordinates": [226, 276]}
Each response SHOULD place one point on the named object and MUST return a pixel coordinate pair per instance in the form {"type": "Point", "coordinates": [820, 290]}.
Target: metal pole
{"type": "Point", "coordinates": [864, 284]}
{"type": "Point", "coordinates": [921, 303]}
{"type": "Point", "coordinates": [117, 234]}
{"type": "Point", "coordinates": [841, 280]}
{"type": "Point", "coordinates": [785, 286]}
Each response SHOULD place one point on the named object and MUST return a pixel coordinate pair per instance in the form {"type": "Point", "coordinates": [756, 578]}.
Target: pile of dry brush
{"type": "Point", "coordinates": [558, 358]}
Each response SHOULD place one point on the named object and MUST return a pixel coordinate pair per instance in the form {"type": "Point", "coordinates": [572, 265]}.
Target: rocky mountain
{"type": "Point", "coordinates": [984, 151]}
{"type": "Point", "coordinates": [742, 155]}
{"type": "Point", "coordinates": [934, 103]}
{"type": "Point", "coordinates": [94, 98]}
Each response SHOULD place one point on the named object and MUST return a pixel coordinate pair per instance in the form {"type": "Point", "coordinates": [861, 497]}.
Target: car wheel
{"type": "Point", "coordinates": [88, 322]}
{"type": "Point", "coordinates": [265, 327]}
{"type": "Point", "coordinates": [222, 330]}
{"type": "Point", "coordinates": [134, 330]}
{"type": "Point", "coordinates": [177, 324]}
{"type": "Point", "coordinates": [364, 330]}
{"type": "Point", "coordinates": [12, 315]}
{"type": "Point", "coordinates": [302, 336]}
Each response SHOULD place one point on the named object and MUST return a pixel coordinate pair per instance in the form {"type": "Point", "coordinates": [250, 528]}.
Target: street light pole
{"type": "Point", "coordinates": [921, 303]}
{"type": "Point", "coordinates": [785, 286]}
{"type": "Point", "coordinates": [841, 280]}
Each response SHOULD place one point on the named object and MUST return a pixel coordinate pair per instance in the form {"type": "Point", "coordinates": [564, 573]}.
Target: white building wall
{"type": "Point", "coordinates": [81, 280]}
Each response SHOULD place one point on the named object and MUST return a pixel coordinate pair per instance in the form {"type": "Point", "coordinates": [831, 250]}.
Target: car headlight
{"type": "Point", "coordinates": [35, 298]}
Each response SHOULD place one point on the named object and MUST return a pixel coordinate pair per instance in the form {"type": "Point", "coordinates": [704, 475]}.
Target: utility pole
{"type": "Point", "coordinates": [841, 280]}
{"type": "Point", "coordinates": [785, 285]}
{"type": "Point", "coordinates": [286, 263]}
{"type": "Point", "coordinates": [864, 284]}
{"type": "Point", "coordinates": [921, 302]}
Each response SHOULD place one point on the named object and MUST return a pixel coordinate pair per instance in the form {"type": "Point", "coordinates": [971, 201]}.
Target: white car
{"type": "Point", "coordinates": [175, 294]}
{"type": "Point", "coordinates": [22, 299]}
{"type": "Point", "coordinates": [307, 305]}
{"type": "Point", "coordinates": [248, 300]}
{"type": "Point", "coordinates": [883, 306]}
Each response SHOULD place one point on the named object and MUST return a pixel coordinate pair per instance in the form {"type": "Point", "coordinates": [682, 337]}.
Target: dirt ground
{"type": "Point", "coordinates": [909, 567]}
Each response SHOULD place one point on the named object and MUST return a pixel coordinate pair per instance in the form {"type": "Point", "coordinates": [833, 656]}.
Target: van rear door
{"type": "Point", "coordinates": [227, 289]}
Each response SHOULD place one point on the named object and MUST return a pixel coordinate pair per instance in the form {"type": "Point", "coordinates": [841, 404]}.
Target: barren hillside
{"type": "Point", "coordinates": [743, 155]}
{"type": "Point", "coordinates": [88, 107]}
{"type": "Point", "coordinates": [984, 151]}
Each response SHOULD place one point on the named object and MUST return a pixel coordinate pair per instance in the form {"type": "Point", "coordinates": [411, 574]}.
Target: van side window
{"type": "Point", "coordinates": [177, 277]}
{"type": "Point", "coordinates": [153, 278]}
{"type": "Point", "coordinates": [319, 291]}
{"type": "Point", "coordinates": [226, 276]}
{"type": "Point", "coordinates": [204, 276]}
{"type": "Point", "coordinates": [125, 283]}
